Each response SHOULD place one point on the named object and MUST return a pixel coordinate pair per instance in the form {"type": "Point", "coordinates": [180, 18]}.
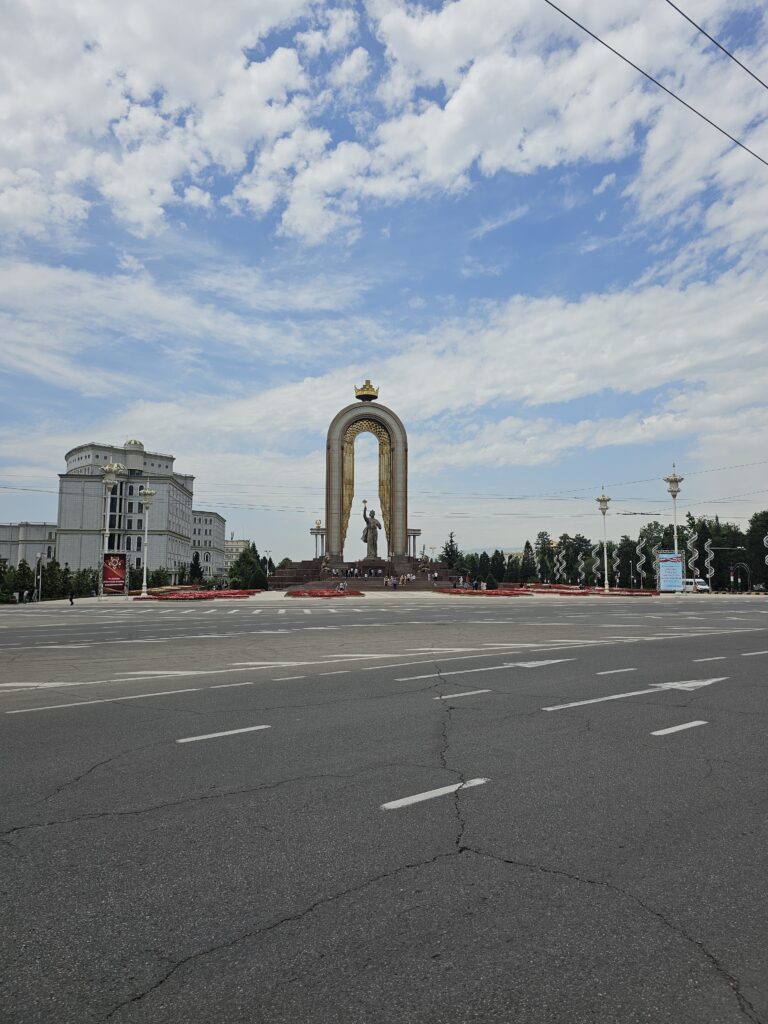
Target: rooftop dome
{"type": "Point", "coordinates": [133, 444]}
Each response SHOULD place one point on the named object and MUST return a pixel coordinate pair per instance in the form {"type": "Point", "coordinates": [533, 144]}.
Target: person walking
{"type": "Point", "coordinates": [71, 597]}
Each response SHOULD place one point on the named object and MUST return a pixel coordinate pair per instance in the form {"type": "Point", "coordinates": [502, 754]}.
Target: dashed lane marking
{"type": "Point", "coordinates": [418, 798]}
{"type": "Point", "coordinates": [677, 728]}
{"type": "Point", "coordinates": [466, 693]}
{"type": "Point", "coordinates": [615, 671]}
{"type": "Point", "coordinates": [229, 732]}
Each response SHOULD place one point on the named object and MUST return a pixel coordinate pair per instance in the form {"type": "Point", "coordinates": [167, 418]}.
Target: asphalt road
{"type": "Point", "coordinates": [207, 813]}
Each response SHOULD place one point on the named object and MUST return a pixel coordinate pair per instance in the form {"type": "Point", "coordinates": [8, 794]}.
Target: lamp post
{"type": "Point", "coordinates": [269, 555]}
{"type": "Point", "coordinates": [39, 580]}
{"type": "Point", "coordinates": [109, 479]}
{"type": "Point", "coordinates": [673, 486]}
{"type": "Point", "coordinates": [739, 547]}
{"type": "Point", "coordinates": [602, 504]}
{"type": "Point", "coordinates": [146, 496]}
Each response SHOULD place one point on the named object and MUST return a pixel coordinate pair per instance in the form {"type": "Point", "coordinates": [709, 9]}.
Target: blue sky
{"type": "Point", "coordinates": [212, 229]}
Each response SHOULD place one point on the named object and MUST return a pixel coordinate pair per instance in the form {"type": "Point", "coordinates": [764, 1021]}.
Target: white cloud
{"type": "Point", "coordinates": [351, 71]}
{"type": "Point", "coordinates": [607, 181]}
{"type": "Point", "coordinates": [486, 226]}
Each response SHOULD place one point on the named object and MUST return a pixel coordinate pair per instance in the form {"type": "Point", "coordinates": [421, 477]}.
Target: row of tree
{"type": "Point", "coordinates": [575, 559]}
{"type": "Point", "coordinates": [248, 572]}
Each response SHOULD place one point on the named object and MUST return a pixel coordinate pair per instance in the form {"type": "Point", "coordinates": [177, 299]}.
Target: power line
{"type": "Point", "coordinates": [718, 45]}
{"type": "Point", "coordinates": [655, 81]}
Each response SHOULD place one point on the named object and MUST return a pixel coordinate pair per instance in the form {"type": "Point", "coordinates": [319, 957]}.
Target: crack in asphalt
{"type": "Point", "coordinates": [265, 929]}
{"type": "Point", "coordinates": [746, 1007]}
{"type": "Point", "coordinates": [199, 798]}
{"type": "Point", "coordinates": [88, 771]}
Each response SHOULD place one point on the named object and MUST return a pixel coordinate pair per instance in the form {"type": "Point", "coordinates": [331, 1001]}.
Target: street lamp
{"type": "Point", "coordinates": [39, 580]}
{"type": "Point", "coordinates": [109, 479]}
{"type": "Point", "coordinates": [739, 547]}
{"type": "Point", "coordinates": [146, 496]}
{"type": "Point", "coordinates": [602, 504]}
{"type": "Point", "coordinates": [673, 486]}
{"type": "Point", "coordinates": [269, 555]}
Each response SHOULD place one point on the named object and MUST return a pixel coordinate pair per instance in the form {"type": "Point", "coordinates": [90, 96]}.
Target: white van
{"type": "Point", "coordinates": [697, 586]}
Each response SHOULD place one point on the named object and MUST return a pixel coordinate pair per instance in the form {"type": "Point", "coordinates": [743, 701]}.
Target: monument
{"type": "Point", "coordinates": [390, 545]}
{"type": "Point", "coordinates": [366, 415]}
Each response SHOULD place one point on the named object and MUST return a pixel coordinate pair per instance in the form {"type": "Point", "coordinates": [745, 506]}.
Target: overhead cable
{"type": "Point", "coordinates": [655, 81]}
{"type": "Point", "coordinates": [718, 45]}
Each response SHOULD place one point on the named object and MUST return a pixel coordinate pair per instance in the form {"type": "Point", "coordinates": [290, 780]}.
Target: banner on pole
{"type": "Point", "coordinates": [114, 574]}
{"type": "Point", "coordinates": [670, 571]}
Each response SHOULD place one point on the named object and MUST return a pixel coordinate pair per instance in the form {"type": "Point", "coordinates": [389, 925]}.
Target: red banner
{"type": "Point", "coordinates": [114, 574]}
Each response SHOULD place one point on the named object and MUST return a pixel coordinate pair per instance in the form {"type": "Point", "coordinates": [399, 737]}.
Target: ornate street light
{"type": "Point", "coordinates": [602, 504]}
{"type": "Point", "coordinates": [673, 486]}
{"type": "Point", "coordinates": [146, 496]}
{"type": "Point", "coordinates": [109, 479]}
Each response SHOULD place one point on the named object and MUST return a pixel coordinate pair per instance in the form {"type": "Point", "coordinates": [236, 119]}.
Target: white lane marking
{"type": "Point", "coordinates": [720, 657]}
{"type": "Point", "coordinates": [338, 672]}
{"type": "Point", "coordinates": [104, 700]}
{"type": "Point", "coordinates": [281, 611]}
{"type": "Point", "coordinates": [333, 611]}
{"type": "Point", "coordinates": [538, 664]}
{"type": "Point", "coordinates": [307, 611]}
{"type": "Point", "coordinates": [282, 679]}
{"type": "Point", "coordinates": [466, 693]}
{"type": "Point", "coordinates": [615, 671]}
{"type": "Point", "coordinates": [692, 684]}
{"type": "Point", "coordinates": [212, 610]}
{"type": "Point", "coordinates": [678, 728]}
{"type": "Point", "coordinates": [229, 732]}
{"type": "Point", "coordinates": [229, 686]}
{"type": "Point", "coordinates": [752, 654]}
{"type": "Point", "coordinates": [485, 668]}
{"type": "Point", "coordinates": [258, 611]}
{"type": "Point", "coordinates": [235, 611]}
{"type": "Point", "coordinates": [431, 794]}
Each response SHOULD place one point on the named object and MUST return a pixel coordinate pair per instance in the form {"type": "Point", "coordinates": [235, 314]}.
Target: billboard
{"type": "Point", "coordinates": [114, 574]}
{"type": "Point", "coordinates": [670, 571]}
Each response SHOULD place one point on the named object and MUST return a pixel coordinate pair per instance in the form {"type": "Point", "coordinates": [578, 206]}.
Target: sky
{"type": "Point", "coordinates": [213, 226]}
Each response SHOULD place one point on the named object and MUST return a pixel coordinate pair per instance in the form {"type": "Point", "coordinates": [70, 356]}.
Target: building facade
{"type": "Point", "coordinates": [86, 528]}
{"type": "Point", "coordinates": [232, 551]}
{"type": "Point", "coordinates": [208, 529]}
{"type": "Point", "coordinates": [27, 542]}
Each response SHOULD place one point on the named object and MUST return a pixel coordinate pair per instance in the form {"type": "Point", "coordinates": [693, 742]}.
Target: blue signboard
{"type": "Point", "coordinates": [670, 571]}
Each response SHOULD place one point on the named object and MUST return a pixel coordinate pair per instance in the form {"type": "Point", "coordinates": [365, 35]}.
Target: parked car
{"type": "Point", "coordinates": [697, 586]}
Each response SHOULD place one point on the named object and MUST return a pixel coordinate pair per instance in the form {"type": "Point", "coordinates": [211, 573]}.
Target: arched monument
{"type": "Point", "coordinates": [369, 416]}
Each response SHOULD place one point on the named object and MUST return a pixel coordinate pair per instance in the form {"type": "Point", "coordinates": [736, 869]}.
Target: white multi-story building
{"type": "Point", "coordinates": [208, 530]}
{"type": "Point", "coordinates": [27, 542]}
{"type": "Point", "coordinates": [232, 551]}
{"type": "Point", "coordinates": [83, 530]}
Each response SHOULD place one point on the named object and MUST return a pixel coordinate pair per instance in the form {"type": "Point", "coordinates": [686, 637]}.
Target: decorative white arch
{"type": "Point", "coordinates": [340, 474]}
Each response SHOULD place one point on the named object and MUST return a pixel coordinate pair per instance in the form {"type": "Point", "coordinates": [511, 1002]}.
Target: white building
{"type": "Point", "coordinates": [26, 542]}
{"type": "Point", "coordinates": [232, 551]}
{"type": "Point", "coordinates": [82, 527]}
{"type": "Point", "coordinates": [208, 529]}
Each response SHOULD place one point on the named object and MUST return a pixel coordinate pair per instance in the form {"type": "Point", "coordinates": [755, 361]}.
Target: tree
{"type": "Point", "coordinates": [195, 569]}
{"type": "Point", "coordinates": [490, 582]}
{"type": "Point", "coordinates": [627, 558]}
{"type": "Point", "coordinates": [498, 564]}
{"type": "Point", "coordinates": [159, 577]}
{"type": "Point", "coordinates": [135, 578]}
{"type": "Point", "coordinates": [546, 552]}
{"type": "Point", "coordinates": [756, 552]}
{"type": "Point", "coordinates": [25, 578]}
{"type": "Point", "coordinates": [450, 553]}
{"type": "Point", "coordinates": [527, 564]}
{"type": "Point", "coordinates": [483, 565]}
{"type": "Point", "coordinates": [247, 570]}
{"type": "Point", "coordinates": [512, 572]}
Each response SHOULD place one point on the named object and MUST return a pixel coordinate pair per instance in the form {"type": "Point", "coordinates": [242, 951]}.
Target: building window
{"type": "Point", "coordinates": [49, 551]}
{"type": "Point", "coordinates": [138, 543]}
{"type": "Point", "coordinates": [130, 524]}
{"type": "Point", "coordinates": [139, 524]}
{"type": "Point", "coordinates": [127, 543]}
{"type": "Point", "coordinates": [130, 503]}
{"type": "Point", "coordinates": [139, 506]}
{"type": "Point", "coordinates": [138, 563]}
{"type": "Point", "coordinates": [130, 489]}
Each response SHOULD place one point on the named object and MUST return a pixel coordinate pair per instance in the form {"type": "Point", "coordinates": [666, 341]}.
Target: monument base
{"type": "Point", "coordinates": [322, 571]}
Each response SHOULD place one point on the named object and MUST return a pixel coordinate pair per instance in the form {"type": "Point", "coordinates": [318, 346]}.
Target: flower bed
{"type": "Point", "coordinates": [198, 595]}
{"type": "Point", "coordinates": [500, 592]}
{"type": "Point", "coordinates": [324, 593]}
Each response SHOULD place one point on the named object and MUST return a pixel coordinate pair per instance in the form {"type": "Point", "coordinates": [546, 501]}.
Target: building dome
{"type": "Point", "coordinates": [134, 444]}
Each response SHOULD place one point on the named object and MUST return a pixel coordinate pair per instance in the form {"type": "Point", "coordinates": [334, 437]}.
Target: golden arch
{"type": "Point", "coordinates": [340, 474]}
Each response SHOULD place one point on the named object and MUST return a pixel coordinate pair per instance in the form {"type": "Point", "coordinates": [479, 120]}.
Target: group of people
{"type": "Point", "coordinates": [353, 572]}
{"type": "Point", "coordinates": [468, 584]}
